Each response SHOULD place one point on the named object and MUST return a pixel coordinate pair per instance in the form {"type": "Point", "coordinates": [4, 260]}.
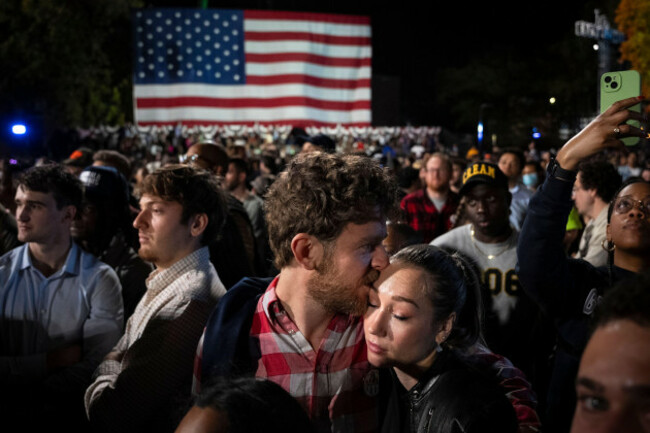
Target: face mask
{"type": "Point", "coordinates": [530, 179]}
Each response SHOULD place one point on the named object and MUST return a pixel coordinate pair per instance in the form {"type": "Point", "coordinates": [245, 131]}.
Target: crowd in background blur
{"type": "Point", "coordinates": [429, 172]}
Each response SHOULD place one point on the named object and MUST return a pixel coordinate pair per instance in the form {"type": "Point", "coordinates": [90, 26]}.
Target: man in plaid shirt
{"type": "Point", "coordinates": [303, 329]}
{"type": "Point", "coordinates": [430, 210]}
{"type": "Point", "coordinates": [326, 219]}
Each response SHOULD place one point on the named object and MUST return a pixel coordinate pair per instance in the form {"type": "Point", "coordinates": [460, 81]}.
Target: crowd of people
{"type": "Point", "coordinates": [233, 286]}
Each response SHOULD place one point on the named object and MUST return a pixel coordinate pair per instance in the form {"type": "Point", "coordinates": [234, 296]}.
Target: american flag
{"type": "Point", "coordinates": [246, 67]}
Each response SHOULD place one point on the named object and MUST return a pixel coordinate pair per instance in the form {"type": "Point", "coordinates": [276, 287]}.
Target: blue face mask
{"type": "Point", "coordinates": [530, 179]}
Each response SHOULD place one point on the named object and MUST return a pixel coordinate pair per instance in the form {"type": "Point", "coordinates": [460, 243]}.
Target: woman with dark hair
{"type": "Point", "coordinates": [568, 290]}
{"type": "Point", "coordinates": [243, 405]}
{"type": "Point", "coordinates": [424, 321]}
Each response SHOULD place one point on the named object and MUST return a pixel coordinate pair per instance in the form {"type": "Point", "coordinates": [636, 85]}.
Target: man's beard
{"type": "Point", "coordinates": [147, 255]}
{"type": "Point", "coordinates": [327, 289]}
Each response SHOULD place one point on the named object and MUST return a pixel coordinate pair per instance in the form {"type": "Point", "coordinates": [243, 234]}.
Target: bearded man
{"type": "Point", "coordinates": [326, 217]}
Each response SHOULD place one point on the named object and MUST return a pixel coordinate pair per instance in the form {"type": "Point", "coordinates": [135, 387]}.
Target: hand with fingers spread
{"type": "Point", "coordinates": [604, 132]}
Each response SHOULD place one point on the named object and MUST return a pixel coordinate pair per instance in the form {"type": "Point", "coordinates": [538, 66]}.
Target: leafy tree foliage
{"type": "Point", "coordinates": [633, 19]}
{"type": "Point", "coordinates": [515, 84]}
{"type": "Point", "coordinates": [69, 61]}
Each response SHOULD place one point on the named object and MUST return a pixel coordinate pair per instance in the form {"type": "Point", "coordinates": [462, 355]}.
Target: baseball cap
{"type": "Point", "coordinates": [81, 157]}
{"type": "Point", "coordinates": [105, 184]}
{"type": "Point", "coordinates": [483, 172]}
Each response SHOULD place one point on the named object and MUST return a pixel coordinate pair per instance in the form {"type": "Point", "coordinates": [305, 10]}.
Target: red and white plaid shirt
{"type": "Point", "coordinates": [335, 384]}
{"type": "Point", "coordinates": [421, 214]}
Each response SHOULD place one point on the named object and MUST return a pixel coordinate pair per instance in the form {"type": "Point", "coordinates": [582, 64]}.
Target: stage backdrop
{"type": "Point", "coordinates": [202, 67]}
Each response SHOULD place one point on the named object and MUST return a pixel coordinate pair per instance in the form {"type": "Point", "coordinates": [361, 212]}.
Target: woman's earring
{"type": "Point", "coordinates": [608, 246]}
{"type": "Point", "coordinates": [439, 345]}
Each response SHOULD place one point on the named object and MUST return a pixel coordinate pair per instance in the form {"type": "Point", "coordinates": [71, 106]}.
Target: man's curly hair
{"type": "Point", "coordinates": [319, 193]}
{"type": "Point", "coordinates": [600, 175]}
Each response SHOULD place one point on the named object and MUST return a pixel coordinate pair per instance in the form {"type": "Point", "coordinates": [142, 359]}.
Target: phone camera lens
{"type": "Point", "coordinates": [608, 79]}
{"type": "Point", "coordinates": [614, 85]}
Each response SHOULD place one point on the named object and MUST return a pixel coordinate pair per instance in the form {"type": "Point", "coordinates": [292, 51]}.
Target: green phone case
{"type": "Point", "coordinates": [615, 86]}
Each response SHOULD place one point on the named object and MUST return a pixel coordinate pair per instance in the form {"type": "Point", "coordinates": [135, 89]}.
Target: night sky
{"type": "Point", "coordinates": [412, 42]}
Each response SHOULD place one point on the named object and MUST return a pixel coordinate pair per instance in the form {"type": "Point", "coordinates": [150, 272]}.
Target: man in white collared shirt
{"type": "Point", "coordinates": [60, 308]}
{"type": "Point", "coordinates": [595, 185]}
{"type": "Point", "coordinates": [144, 381]}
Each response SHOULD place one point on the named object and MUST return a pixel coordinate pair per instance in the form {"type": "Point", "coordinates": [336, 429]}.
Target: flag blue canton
{"type": "Point", "coordinates": [189, 46]}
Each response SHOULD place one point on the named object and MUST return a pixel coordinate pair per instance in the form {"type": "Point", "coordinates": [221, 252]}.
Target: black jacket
{"type": "Point", "coordinates": [567, 289]}
{"type": "Point", "coordinates": [451, 396]}
{"type": "Point", "coordinates": [228, 348]}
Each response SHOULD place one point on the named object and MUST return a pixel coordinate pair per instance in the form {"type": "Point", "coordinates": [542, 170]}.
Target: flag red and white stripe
{"type": "Point", "coordinates": [301, 69]}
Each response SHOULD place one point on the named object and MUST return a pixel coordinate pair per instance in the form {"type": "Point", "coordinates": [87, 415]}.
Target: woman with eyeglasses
{"type": "Point", "coordinates": [569, 289]}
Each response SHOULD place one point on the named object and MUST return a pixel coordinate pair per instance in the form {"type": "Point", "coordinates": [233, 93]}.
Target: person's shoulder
{"type": "Point", "coordinates": [201, 282]}
{"type": "Point", "coordinates": [9, 263]}
{"type": "Point", "coordinates": [249, 287]}
{"type": "Point", "coordinates": [254, 198]}
{"type": "Point", "coordinates": [521, 192]}
{"type": "Point", "coordinates": [90, 262]}
{"type": "Point", "coordinates": [453, 237]}
{"type": "Point", "coordinates": [237, 306]}
{"type": "Point", "coordinates": [414, 196]}
{"type": "Point", "coordinates": [234, 205]}
{"type": "Point", "coordinates": [12, 255]}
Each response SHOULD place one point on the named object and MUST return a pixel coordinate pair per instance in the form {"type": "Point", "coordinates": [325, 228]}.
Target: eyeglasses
{"type": "Point", "coordinates": [627, 203]}
{"type": "Point", "coordinates": [185, 159]}
{"type": "Point", "coordinates": [193, 159]}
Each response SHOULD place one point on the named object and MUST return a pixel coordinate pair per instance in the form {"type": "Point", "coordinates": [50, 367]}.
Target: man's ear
{"type": "Point", "coordinates": [307, 250]}
{"type": "Point", "coordinates": [593, 193]}
{"type": "Point", "coordinates": [198, 223]}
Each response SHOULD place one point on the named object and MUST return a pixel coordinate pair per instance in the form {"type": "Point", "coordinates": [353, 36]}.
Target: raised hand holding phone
{"type": "Point", "coordinates": [619, 85]}
{"type": "Point", "coordinates": [604, 132]}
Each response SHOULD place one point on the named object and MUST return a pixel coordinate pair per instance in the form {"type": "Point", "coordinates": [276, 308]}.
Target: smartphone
{"type": "Point", "coordinates": [615, 86]}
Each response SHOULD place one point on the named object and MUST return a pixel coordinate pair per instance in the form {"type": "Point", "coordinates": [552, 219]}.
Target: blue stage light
{"type": "Point", "coordinates": [18, 129]}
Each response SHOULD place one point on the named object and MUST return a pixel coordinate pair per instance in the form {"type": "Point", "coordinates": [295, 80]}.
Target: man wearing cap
{"type": "Point", "coordinates": [60, 308]}
{"type": "Point", "coordinates": [78, 160]}
{"type": "Point", "coordinates": [491, 242]}
{"type": "Point", "coordinates": [104, 228]}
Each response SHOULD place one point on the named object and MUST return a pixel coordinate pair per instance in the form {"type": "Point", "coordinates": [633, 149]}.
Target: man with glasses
{"type": "Point", "coordinates": [595, 185]}
{"type": "Point", "coordinates": [570, 289]}
{"type": "Point", "coordinates": [235, 254]}
{"type": "Point", "coordinates": [430, 210]}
